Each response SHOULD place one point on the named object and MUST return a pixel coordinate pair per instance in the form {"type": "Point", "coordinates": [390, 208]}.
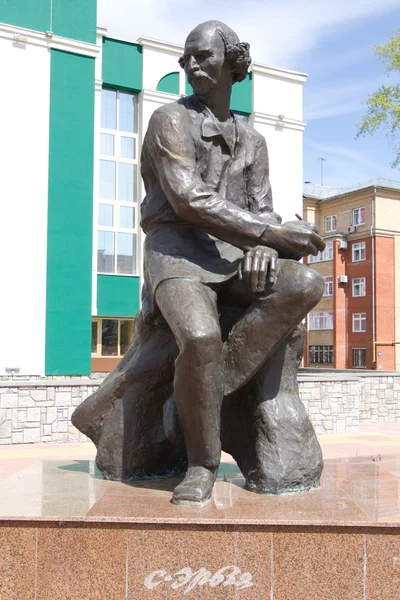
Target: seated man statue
{"type": "Point", "coordinates": [212, 240]}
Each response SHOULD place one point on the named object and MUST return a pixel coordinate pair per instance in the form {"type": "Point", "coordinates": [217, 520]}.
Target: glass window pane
{"type": "Point", "coordinates": [126, 112]}
{"type": "Point", "coordinates": [125, 182]}
{"type": "Point", "coordinates": [94, 337]}
{"type": "Point", "coordinates": [106, 215]}
{"type": "Point", "coordinates": [108, 109]}
{"type": "Point", "coordinates": [127, 147]}
{"type": "Point", "coordinates": [127, 217]}
{"type": "Point", "coordinates": [109, 337]}
{"type": "Point", "coordinates": [107, 180]}
{"type": "Point", "coordinates": [105, 252]}
{"type": "Point", "coordinates": [125, 336]}
{"type": "Point", "coordinates": [107, 144]}
{"type": "Point", "coordinates": [126, 257]}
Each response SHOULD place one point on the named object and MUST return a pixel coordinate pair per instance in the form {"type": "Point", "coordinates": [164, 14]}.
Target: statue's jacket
{"type": "Point", "coordinates": [208, 195]}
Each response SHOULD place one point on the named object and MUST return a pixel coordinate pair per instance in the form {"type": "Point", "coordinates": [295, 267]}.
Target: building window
{"type": "Point", "coordinates": [320, 320]}
{"type": "Point", "coordinates": [358, 252]}
{"type": "Point", "coordinates": [327, 254]}
{"type": "Point", "coordinates": [358, 216]}
{"type": "Point", "coordinates": [359, 358]}
{"type": "Point", "coordinates": [117, 206]}
{"type": "Point", "coordinates": [321, 355]}
{"type": "Point", "coordinates": [359, 322]}
{"type": "Point", "coordinates": [111, 337]}
{"type": "Point", "coordinates": [330, 223]}
{"type": "Point", "coordinates": [359, 287]}
{"type": "Point", "coordinates": [328, 285]}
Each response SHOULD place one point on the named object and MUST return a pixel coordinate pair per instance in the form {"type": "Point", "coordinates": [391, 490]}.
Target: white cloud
{"type": "Point", "coordinates": [340, 98]}
{"type": "Point", "coordinates": [346, 165]}
{"type": "Point", "coordinates": [279, 30]}
{"type": "Point", "coordinates": [336, 99]}
{"type": "Point", "coordinates": [339, 152]}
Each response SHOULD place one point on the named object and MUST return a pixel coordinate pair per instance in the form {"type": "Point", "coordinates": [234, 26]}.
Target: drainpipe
{"type": "Point", "coordinates": [373, 276]}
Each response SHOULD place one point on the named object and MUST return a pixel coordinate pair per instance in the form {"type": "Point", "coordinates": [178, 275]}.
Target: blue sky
{"type": "Point", "coordinates": [330, 40]}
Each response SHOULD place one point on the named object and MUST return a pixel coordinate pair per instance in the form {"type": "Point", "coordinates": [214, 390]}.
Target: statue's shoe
{"type": "Point", "coordinates": [196, 488]}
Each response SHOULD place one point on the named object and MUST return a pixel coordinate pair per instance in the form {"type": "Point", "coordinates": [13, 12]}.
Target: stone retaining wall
{"type": "Point", "coordinates": [333, 406]}
{"type": "Point", "coordinates": [34, 409]}
{"type": "Point", "coordinates": [40, 409]}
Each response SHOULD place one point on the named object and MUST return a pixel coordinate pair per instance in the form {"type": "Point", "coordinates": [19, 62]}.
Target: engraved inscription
{"type": "Point", "coordinates": [186, 579]}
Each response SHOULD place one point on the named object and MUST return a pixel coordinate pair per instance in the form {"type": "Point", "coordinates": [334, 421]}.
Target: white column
{"type": "Point", "coordinates": [101, 32]}
{"type": "Point", "coordinates": [24, 156]}
{"type": "Point", "coordinates": [278, 111]}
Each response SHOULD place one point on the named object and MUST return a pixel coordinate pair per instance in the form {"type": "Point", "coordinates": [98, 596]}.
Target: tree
{"type": "Point", "coordinates": [383, 106]}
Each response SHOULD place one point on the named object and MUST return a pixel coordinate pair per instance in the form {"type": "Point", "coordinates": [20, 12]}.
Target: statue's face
{"type": "Point", "coordinates": [204, 58]}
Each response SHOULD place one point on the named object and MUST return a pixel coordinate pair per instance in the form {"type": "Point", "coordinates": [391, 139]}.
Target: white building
{"type": "Point", "coordinates": [75, 106]}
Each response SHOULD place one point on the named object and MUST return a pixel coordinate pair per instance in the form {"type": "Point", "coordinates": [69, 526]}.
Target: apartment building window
{"type": "Point", "coordinates": [330, 223]}
{"type": "Point", "coordinates": [359, 216]}
{"type": "Point", "coordinates": [328, 285]}
{"type": "Point", "coordinates": [320, 320]}
{"type": "Point", "coordinates": [359, 322]}
{"type": "Point", "coordinates": [359, 358]}
{"type": "Point", "coordinates": [359, 287]}
{"type": "Point", "coordinates": [117, 208]}
{"type": "Point", "coordinates": [358, 251]}
{"type": "Point", "coordinates": [327, 254]}
{"type": "Point", "coordinates": [111, 337]}
{"type": "Point", "coordinates": [320, 355]}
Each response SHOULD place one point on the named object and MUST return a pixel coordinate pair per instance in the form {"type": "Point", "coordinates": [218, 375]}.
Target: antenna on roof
{"type": "Point", "coordinates": [322, 169]}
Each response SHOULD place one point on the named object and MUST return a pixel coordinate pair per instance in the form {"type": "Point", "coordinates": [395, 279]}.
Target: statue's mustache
{"type": "Point", "coordinates": [198, 74]}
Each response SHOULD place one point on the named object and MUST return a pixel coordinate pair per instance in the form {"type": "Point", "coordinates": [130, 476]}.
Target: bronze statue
{"type": "Point", "coordinates": [219, 337]}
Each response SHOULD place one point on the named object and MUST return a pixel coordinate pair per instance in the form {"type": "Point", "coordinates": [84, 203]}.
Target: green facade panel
{"type": "Point", "coordinates": [68, 18]}
{"type": "Point", "coordinates": [122, 66]}
{"type": "Point", "coordinates": [169, 83]}
{"type": "Point", "coordinates": [242, 95]}
{"type": "Point", "coordinates": [75, 19]}
{"type": "Point", "coordinates": [31, 14]}
{"type": "Point", "coordinates": [117, 296]}
{"type": "Point", "coordinates": [188, 88]}
{"type": "Point", "coordinates": [70, 215]}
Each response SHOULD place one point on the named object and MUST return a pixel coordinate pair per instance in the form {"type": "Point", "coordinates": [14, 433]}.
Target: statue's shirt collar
{"type": "Point", "coordinates": [211, 127]}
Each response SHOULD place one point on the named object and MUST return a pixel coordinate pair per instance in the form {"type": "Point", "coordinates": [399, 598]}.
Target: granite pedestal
{"type": "Point", "coordinates": [66, 534]}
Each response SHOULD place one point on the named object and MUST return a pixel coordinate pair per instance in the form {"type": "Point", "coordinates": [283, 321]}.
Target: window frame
{"type": "Point", "coordinates": [117, 204]}
{"type": "Point", "coordinates": [359, 318]}
{"type": "Point", "coordinates": [324, 350]}
{"type": "Point", "coordinates": [362, 284]}
{"type": "Point", "coordinates": [354, 366]}
{"type": "Point", "coordinates": [322, 316]}
{"type": "Point", "coordinates": [328, 285]}
{"type": "Point", "coordinates": [358, 246]}
{"type": "Point", "coordinates": [332, 220]}
{"type": "Point", "coordinates": [360, 212]}
{"type": "Point", "coordinates": [98, 321]}
{"type": "Point", "coordinates": [324, 256]}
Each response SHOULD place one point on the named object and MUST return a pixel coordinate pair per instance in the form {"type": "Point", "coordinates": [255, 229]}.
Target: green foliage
{"type": "Point", "coordinates": [383, 106]}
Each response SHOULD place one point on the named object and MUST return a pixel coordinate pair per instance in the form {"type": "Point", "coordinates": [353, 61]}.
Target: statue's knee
{"type": "Point", "coordinates": [203, 345]}
{"type": "Point", "coordinates": [304, 285]}
{"type": "Point", "coordinates": [314, 285]}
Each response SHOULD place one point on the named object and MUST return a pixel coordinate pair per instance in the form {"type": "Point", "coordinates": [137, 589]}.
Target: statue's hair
{"type": "Point", "coordinates": [237, 53]}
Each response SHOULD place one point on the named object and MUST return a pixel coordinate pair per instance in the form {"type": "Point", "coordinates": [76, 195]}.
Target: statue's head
{"type": "Point", "coordinates": [213, 55]}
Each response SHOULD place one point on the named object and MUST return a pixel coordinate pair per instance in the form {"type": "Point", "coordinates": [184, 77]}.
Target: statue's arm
{"type": "Point", "coordinates": [258, 185]}
{"type": "Point", "coordinates": [169, 150]}
{"type": "Point", "coordinates": [293, 239]}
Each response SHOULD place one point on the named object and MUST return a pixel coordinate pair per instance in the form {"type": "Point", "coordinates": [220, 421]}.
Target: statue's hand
{"type": "Point", "coordinates": [294, 239]}
{"type": "Point", "coordinates": [259, 266]}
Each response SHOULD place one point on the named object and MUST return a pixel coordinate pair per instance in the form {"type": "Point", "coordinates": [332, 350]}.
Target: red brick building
{"type": "Point", "coordinates": [357, 322]}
